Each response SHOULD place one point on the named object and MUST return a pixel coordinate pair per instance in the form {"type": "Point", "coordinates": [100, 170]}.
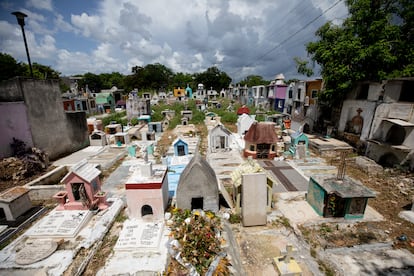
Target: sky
{"type": "Point", "coordinates": [239, 37]}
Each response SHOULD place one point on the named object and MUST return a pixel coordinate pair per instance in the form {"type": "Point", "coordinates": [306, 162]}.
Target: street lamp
{"type": "Point", "coordinates": [20, 20]}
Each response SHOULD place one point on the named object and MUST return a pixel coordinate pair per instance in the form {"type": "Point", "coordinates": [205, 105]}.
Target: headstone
{"type": "Point", "coordinates": [137, 235]}
{"type": "Point", "coordinates": [34, 250]}
{"type": "Point", "coordinates": [300, 151]}
{"type": "Point", "coordinates": [254, 199]}
{"type": "Point", "coordinates": [66, 223]}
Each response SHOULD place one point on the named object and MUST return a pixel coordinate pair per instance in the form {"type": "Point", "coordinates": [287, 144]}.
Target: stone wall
{"type": "Point", "coordinates": [51, 128]}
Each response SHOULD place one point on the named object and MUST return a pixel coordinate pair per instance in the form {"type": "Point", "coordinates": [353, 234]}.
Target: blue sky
{"type": "Point", "coordinates": [240, 37]}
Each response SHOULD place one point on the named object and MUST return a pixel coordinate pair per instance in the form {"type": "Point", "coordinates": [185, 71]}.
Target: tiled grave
{"type": "Point", "coordinates": [66, 223]}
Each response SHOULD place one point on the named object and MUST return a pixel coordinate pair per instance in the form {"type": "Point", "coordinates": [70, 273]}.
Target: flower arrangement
{"type": "Point", "coordinates": [198, 234]}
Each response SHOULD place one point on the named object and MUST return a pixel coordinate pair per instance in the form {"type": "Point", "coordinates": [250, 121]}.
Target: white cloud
{"type": "Point", "coordinates": [239, 36]}
{"type": "Point", "coordinates": [40, 4]}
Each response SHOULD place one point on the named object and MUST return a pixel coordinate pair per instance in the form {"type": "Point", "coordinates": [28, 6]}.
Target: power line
{"type": "Point", "coordinates": [288, 38]}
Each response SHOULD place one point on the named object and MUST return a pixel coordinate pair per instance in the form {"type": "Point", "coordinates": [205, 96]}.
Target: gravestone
{"type": "Point", "coordinates": [137, 235]}
{"type": "Point", "coordinates": [254, 199]}
{"type": "Point", "coordinates": [300, 151]}
{"type": "Point", "coordinates": [66, 223]}
{"type": "Point", "coordinates": [34, 250]}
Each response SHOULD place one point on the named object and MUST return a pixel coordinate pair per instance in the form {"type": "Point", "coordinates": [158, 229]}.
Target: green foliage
{"type": "Point", "coordinates": [229, 117]}
{"type": "Point", "coordinates": [214, 78]}
{"type": "Point", "coordinates": [253, 80]}
{"type": "Point", "coordinates": [302, 67]}
{"type": "Point", "coordinates": [198, 117]}
{"type": "Point", "coordinates": [235, 218]}
{"type": "Point", "coordinates": [9, 67]}
{"type": "Point", "coordinates": [374, 43]}
{"type": "Point", "coordinates": [118, 117]}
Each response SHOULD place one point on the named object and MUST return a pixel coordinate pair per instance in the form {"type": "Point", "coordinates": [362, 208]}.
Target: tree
{"type": "Point", "coordinates": [253, 80]}
{"type": "Point", "coordinates": [374, 43]}
{"type": "Point", "coordinates": [91, 80]}
{"type": "Point", "coordinates": [213, 78]}
{"type": "Point", "coordinates": [182, 79]}
{"type": "Point", "coordinates": [9, 67]}
{"type": "Point", "coordinates": [302, 67]}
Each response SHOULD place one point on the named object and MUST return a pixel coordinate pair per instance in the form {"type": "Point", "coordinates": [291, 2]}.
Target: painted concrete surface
{"type": "Point", "coordinates": [58, 262]}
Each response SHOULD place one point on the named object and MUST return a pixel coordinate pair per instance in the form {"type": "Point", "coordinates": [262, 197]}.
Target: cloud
{"type": "Point", "coordinates": [241, 37]}
{"type": "Point", "coordinates": [40, 4]}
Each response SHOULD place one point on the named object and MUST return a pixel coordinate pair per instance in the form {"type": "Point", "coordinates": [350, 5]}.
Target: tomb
{"type": "Point", "coordinates": [261, 141]}
{"type": "Point", "coordinates": [113, 128]}
{"type": "Point", "coordinates": [243, 123]}
{"type": "Point", "coordinates": [83, 189]}
{"type": "Point", "coordinates": [251, 166]}
{"type": "Point", "coordinates": [219, 138]}
{"type": "Point", "coordinates": [14, 202]}
{"type": "Point", "coordinates": [184, 121]}
{"type": "Point", "coordinates": [254, 200]}
{"type": "Point", "coordinates": [299, 145]}
{"type": "Point", "coordinates": [121, 139]}
{"type": "Point", "coordinates": [97, 138]}
{"type": "Point", "coordinates": [187, 114]}
{"type": "Point", "coordinates": [147, 191]}
{"type": "Point", "coordinates": [155, 126]}
{"type": "Point", "coordinates": [180, 147]}
{"type": "Point", "coordinates": [333, 197]}
{"type": "Point", "coordinates": [198, 186]}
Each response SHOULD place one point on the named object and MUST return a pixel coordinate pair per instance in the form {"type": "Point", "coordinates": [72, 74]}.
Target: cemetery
{"type": "Point", "coordinates": [249, 187]}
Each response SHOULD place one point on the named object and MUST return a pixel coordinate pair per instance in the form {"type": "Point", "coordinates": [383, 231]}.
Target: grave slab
{"type": "Point", "coordinates": [34, 250]}
{"type": "Point", "coordinates": [65, 223]}
{"type": "Point", "coordinates": [140, 235]}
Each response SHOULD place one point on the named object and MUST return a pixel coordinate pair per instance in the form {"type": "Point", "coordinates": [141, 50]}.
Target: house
{"type": "Point", "coordinates": [198, 186]}
{"type": "Point", "coordinates": [219, 138]}
{"type": "Point", "coordinates": [147, 191]}
{"type": "Point", "coordinates": [378, 119]}
{"type": "Point", "coordinates": [332, 197]}
{"type": "Point", "coordinates": [244, 122]}
{"type": "Point", "coordinates": [32, 111]}
{"type": "Point", "coordinates": [83, 189]}
{"type": "Point", "coordinates": [261, 141]}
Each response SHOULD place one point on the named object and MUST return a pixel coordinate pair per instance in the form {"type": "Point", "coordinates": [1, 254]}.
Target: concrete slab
{"type": "Point", "coordinates": [372, 259]}
{"type": "Point", "coordinates": [58, 262]}
{"type": "Point", "coordinates": [407, 215]}
{"type": "Point", "coordinates": [66, 223]}
{"type": "Point", "coordinates": [136, 260]}
{"type": "Point", "coordinates": [140, 235]}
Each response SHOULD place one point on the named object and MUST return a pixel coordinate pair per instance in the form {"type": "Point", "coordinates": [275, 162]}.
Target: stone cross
{"type": "Point", "coordinates": [289, 251]}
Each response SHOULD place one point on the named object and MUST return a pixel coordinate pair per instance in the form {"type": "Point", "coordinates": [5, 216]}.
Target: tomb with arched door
{"type": "Point", "coordinates": [147, 191]}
